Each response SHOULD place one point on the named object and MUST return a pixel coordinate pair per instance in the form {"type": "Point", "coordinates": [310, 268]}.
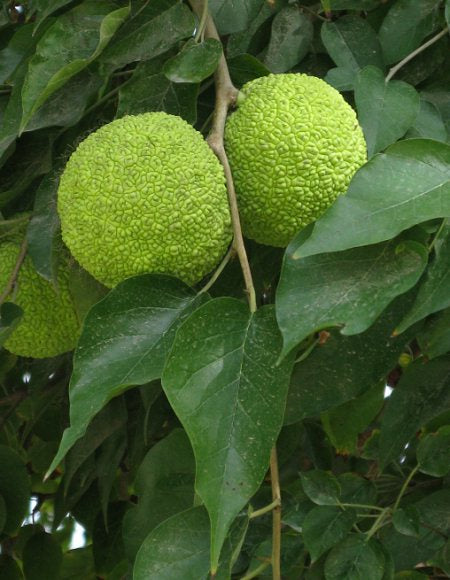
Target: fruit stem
{"type": "Point", "coordinates": [12, 279]}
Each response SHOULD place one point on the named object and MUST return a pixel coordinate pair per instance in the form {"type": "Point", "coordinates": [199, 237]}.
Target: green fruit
{"type": "Point", "coordinates": [293, 145]}
{"type": "Point", "coordinates": [142, 194]}
{"type": "Point", "coordinates": [49, 325]}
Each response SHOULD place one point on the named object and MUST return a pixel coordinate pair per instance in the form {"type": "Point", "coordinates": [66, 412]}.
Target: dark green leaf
{"type": "Point", "coordinates": [78, 563]}
{"type": "Point", "coordinates": [148, 34]}
{"type": "Point", "coordinates": [42, 557]}
{"type": "Point", "coordinates": [345, 366]}
{"type": "Point", "coordinates": [348, 289]}
{"type": "Point", "coordinates": [9, 568]}
{"type": "Point", "coordinates": [406, 185]}
{"type": "Point", "coordinates": [164, 485]}
{"type": "Point", "coordinates": [352, 43]}
{"type": "Point", "coordinates": [3, 513]}
{"type": "Point", "coordinates": [290, 39]}
{"type": "Point", "coordinates": [150, 90]}
{"type": "Point", "coordinates": [344, 423]}
{"type": "Point", "coordinates": [428, 124]}
{"type": "Point", "coordinates": [195, 62]}
{"type": "Point", "coordinates": [433, 452]}
{"type": "Point", "coordinates": [10, 315]}
{"type": "Point", "coordinates": [406, 24]}
{"type": "Point", "coordinates": [17, 49]}
{"type": "Point", "coordinates": [435, 338]}
{"type": "Point", "coordinates": [355, 558]}
{"type": "Point", "coordinates": [177, 548]}
{"type": "Point", "coordinates": [434, 510]}
{"type": "Point", "coordinates": [224, 358]}
{"type": "Point", "coordinates": [321, 487]}
{"type": "Point", "coordinates": [341, 78]}
{"type": "Point", "coordinates": [434, 292]}
{"type": "Point", "coordinates": [421, 394]}
{"type": "Point", "coordinates": [385, 110]}
{"type": "Point", "coordinates": [245, 68]}
{"type": "Point", "coordinates": [107, 542]}
{"type": "Point", "coordinates": [230, 16]}
{"type": "Point", "coordinates": [357, 489]}
{"type": "Point", "coordinates": [45, 8]}
{"type": "Point", "coordinates": [66, 48]}
{"type": "Point", "coordinates": [442, 558]}
{"type": "Point", "coordinates": [353, 4]}
{"type": "Point", "coordinates": [108, 459]}
{"type": "Point", "coordinates": [124, 342]}
{"type": "Point", "coordinates": [324, 527]}
{"type": "Point", "coordinates": [14, 487]}
{"type": "Point", "coordinates": [407, 521]}
{"type": "Point", "coordinates": [408, 551]}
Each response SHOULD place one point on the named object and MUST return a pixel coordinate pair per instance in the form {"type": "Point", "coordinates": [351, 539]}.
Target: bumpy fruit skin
{"type": "Point", "coordinates": [142, 194]}
{"type": "Point", "coordinates": [49, 325]}
{"type": "Point", "coordinates": [293, 145]}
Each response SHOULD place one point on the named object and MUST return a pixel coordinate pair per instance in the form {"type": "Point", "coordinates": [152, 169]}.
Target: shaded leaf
{"type": "Point", "coordinates": [222, 380]}
{"type": "Point", "coordinates": [244, 68]}
{"type": "Point", "coordinates": [230, 16]}
{"type": "Point", "coordinates": [195, 62]}
{"type": "Point", "coordinates": [324, 527]}
{"type": "Point", "coordinates": [78, 563]}
{"type": "Point", "coordinates": [355, 558]}
{"type": "Point", "coordinates": [290, 39]}
{"type": "Point", "coordinates": [9, 568]}
{"type": "Point", "coordinates": [188, 531]}
{"type": "Point", "coordinates": [407, 184]}
{"type": "Point", "coordinates": [10, 316]}
{"type": "Point", "coordinates": [108, 459]}
{"type": "Point", "coordinates": [321, 487]}
{"type": "Point", "coordinates": [385, 110]}
{"type": "Point", "coordinates": [42, 557]}
{"type": "Point", "coordinates": [348, 289]}
{"type": "Point", "coordinates": [45, 8]}
{"type": "Point", "coordinates": [406, 24]}
{"type": "Point", "coordinates": [124, 342]}
{"type": "Point", "coordinates": [421, 394]}
{"type": "Point", "coordinates": [435, 338]}
{"type": "Point", "coordinates": [107, 542]}
{"type": "Point", "coordinates": [428, 124]}
{"type": "Point", "coordinates": [353, 4]}
{"type": "Point", "coordinates": [3, 513]}
{"type": "Point", "coordinates": [434, 510]}
{"type": "Point", "coordinates": [164, 485]}
{"type": "Point", "coordinates": [19, 46]}
{"type": "Point", "coordinates": [407, 521]}
{"type": "Point", "coordinates": [14, 487]}
{"type": "Point", "coordinates": [341, 78]}
{"type": "Point", "coordinates": [433, 292]}
{"type": "Point", "coordinates": [433, 452]}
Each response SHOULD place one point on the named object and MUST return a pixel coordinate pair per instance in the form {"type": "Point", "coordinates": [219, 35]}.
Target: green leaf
{"type": "Point", "coordinates": [434, 292]}
{"type": "Point", "coordinates": [385, 110]}
{"type": "Point", "coordinates": [355, 558]}
{"type": "Point", "coordinates": [434, 340]}
{"type": "Point", "coordinates": [20, 45]}
{"type": "Point", "coordinates": [45, 8]}
{"type": "Point", "coordinates": [290, 39]}
{"type": "Point", "coordinates": [10, 316]}
{"type": "Point", "coordinates": [9, 568]}
{"type": "Point", "coordinates": [434, 510]}
{"type": "Point", "coordinates": [353, 4]}
{"type": "Point", "coordinates": [222, 380]}
{"type": "Point", "coordinates": [195, 62]}
{"type": "Point", "coordinates": [164, 485]}
{"type": "Point", "coordinates": [78, 563]}
{"type": "Point", "coordinates": [407, 184]}
{"type": "Point", "coordinates": [42, 557]}
{"type": "Point", "coordinates": [343, 424]}
{"type": "Point", "coordinates": [3, 513]}
{"type": "Point", "coordinates": [14, 487]}
{"type": "Point", "coordinates": [341, 78]}
{"type": "Point", "coordinates": [406, 24]}
{"type": "Point", "coordinates": [357, 489]}
{"type": "Point", "coordinates": [345, 366]}
{"type": "Point", "coordinates": [230, 16]}
{"type": "Point", "coordinates": [407, 521]}
{"type": "Point", "coordinates": [352, 43]}
{"type": "Point", "coordinates": [421, 394]}
{"type": "Point", "coordinates": [177, 548]}
{"type": "Point", "coordinates": [324, 527]}
{"type": "Point", "coordinates": [428, 124]}
{"type": "Point", "coordinates": [321, 487]}
{"type": "Point", "coordinates": [150, 90]}
{"type": "Point", "coordinates": [349, 288]}
{"type": "Point", "coordinates": [67, 47]}
{"type": "Point", "coordinates": [124, 342]}
{"type": "Point", "coordinates": [433, 453]}
{"type": "Point", "coordinates": [149, 33]}
{"type": "Point", "coordinates": [107, 542]}
{"type": "Point", "coordinates": [244, 68]}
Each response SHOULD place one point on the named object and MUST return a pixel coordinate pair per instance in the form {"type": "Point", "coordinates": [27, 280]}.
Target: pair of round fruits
{"type": "Point", "coordinates": [145, 193]}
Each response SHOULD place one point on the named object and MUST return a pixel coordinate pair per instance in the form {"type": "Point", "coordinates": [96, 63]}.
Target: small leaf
{"type": "Point", "coordinates": [434, 510]}
{"type": "Point", "coordinates": [324, 527]}
{"type": "Point", "coordinates": [421, 394]}
{"type": "Point", "coordinates": [42, 557]}
{"type": "Point", "coordinates": [341, 78]}
{"type": "Point", "coordinates": [355, 558]}
{"type": "Point", "coordinates": [230, 16]}
{"type": "Point", "coordinates": [433, 292]}
{"type": "Point", "coordinates": [405, 26]}
{"type": "Point", "coordinates": [434, 339]}
{"type": "Point", "coordinates": [428, 124]}
{"type": "Point", "coordinates": [433, 453]}
{"type": "Point", "coordinates": [385, 110]}
{"type": "Point", "coordinates": [164, 485]}
{"type": "Point", "coordinates": [321, 487]}
{"type": "Point", "coordinates": [177, 548]}
{"type": "Point", "coordinates": [349, 288]}
{"type": "Point", "coordinates": [195, 62]}
{"type": "Point", "coordinates": [20, 45]}
{"type": "Point", "coordinates": [407, 521]}
{"type": "Point", "coordinates": [10, 316]}
{"type": "Point", "coordinates": [14, 487]}
{"type": "Point", "coordinates": [245, 68]}
{"type": "Point", "coordinates": [407, 184]}
{"type": "Point", "coordinates": [223, 382]}
{"type": "Point", "coordinates": [290, 39]}
{"type": "Point", "coordinates": [124, 342]}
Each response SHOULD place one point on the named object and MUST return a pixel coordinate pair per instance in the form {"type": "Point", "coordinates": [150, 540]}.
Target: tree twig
{"type": "Point", "coordinates": [276, 515]}
{"type": "Point", "coordinates": [13, 278]}
{"type": "Point", "coordinates": [413, 54]}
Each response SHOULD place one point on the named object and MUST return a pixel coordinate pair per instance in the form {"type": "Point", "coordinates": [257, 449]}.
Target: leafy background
{"type": "Point", "coordinates": [358, 301]}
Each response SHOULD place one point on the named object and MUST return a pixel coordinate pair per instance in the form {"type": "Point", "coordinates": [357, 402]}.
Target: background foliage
{"type": "Point", "coordinates": [162, 458]}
